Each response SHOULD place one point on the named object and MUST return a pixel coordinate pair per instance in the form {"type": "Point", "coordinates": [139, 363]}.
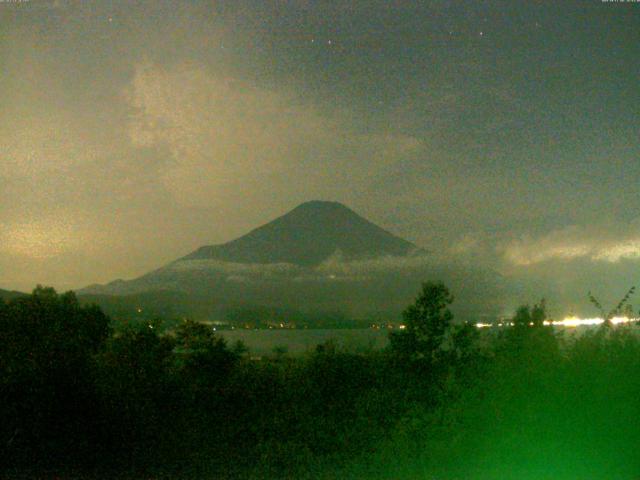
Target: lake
{"type": "Point", "coordinates": [262, 342]}
{"type": "Point", "coordinates": [298, 341]}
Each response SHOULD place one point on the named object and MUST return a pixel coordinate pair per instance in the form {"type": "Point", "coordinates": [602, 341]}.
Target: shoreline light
{"type": "Point", "coordinates": [570, 322]}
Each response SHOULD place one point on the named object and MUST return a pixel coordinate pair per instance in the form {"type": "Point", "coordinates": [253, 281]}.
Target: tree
{"type": "Point", "coordinates": [529, 336]}
{"type": "Point", "coordinates": [623, 306]}
{"type": "Point", "coordinates": [47, 348]}
{"type": "Point", "coordinates": [203, 356]}
{"type": "Point", "coordinates": [136, 393]}
{"type": "Point", "coordinates": [527, 316]}
{"type": "Point", "coordinates": [464, 343]}
{"type": "Point", "coordinates": [239, 348]}
{"type": "Point", "coordinates": [426, 323]}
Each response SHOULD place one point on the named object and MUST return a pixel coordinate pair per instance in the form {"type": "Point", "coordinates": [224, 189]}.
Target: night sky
{"type": "Point", "coordinates": [501, 133]}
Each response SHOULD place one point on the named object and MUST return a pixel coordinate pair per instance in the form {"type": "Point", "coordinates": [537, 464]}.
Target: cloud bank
{"type": "Point", "coordinates": [607, 244]}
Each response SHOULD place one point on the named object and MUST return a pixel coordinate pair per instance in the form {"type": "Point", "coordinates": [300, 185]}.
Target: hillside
{"type": "Point", "coordinates": [7, 295]}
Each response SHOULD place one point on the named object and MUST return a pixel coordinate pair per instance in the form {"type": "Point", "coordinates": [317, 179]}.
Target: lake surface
{"type": "Point", "coordinates": [262, 342]}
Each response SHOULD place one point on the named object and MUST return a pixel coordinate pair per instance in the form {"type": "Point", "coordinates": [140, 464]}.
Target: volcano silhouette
{"type": "Point", "coordinates": [319, 258]}
{"type": "Point", "coordinates": [308, 235]}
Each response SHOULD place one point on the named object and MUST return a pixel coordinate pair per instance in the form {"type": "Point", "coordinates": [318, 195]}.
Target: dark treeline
{"type": "Point", "coordinates": [444, 401]}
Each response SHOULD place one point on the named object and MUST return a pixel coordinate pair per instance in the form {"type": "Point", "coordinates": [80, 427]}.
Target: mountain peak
{"type": "Point", "coordinates": [308, 235]}
{"type": "Point", "coordinates": [321, 205]}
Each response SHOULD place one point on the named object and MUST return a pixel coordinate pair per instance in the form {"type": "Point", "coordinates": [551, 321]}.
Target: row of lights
{"type": "Point", "coordinates": [568, 322]}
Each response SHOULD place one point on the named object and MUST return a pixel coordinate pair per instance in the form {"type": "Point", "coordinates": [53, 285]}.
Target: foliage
{"type": "Point", "coordinates": [446, 401]}
{"type": "Point", "coordinates": [47, 344]}
{"type": "Point", "coordinates": [622, 307]}
{"type": "Point", "coordinates": [426, 323]}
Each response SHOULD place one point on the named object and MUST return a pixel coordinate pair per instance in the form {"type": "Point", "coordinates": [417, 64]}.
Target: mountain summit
{"type": "Point", "coordinates": [308, 235]}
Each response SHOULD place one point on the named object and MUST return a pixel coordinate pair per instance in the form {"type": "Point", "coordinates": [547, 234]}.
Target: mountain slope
{"type": "Point", "coordinates": [319, 258]}
{"type": "Point", "coordinates": [7, 295]}
{"type": "Point", "coordinates": [308, 235]}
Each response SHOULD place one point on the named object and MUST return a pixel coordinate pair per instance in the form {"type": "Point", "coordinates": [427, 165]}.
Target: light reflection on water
{"type": "Point", "coordinates": [298, 341]}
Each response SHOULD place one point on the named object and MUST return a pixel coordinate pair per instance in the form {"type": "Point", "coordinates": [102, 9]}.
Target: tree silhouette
{"type": "Point", "coordinates": [47, 345]}
{"type": "Point", "coordinates": [622, 306]}
{"type": "Point", "coordinates": [528, 336]}
{"type": "Point", "coordinates": [527, 316]}
{"type": "Point", "coordinates": [426, 322]}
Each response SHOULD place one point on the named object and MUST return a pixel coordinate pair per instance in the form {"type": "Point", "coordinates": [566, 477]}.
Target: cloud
{"type": "Point", "coordinates": [232, 140]}
{"type": "Point", "coordinates": [608, 244]}
{"type": "Point", "coordinates": [232, 268]}
{"type": "Point", "coordinates": [35, 145]}
{"type": "Point", "coordinates": [38, 239]}
{"type": "Point", "coordinates": [333, 268]}
{"type": "Point", "coordinates": [335, 265]}
{"type": "Point", "coordinates": [628, 249]}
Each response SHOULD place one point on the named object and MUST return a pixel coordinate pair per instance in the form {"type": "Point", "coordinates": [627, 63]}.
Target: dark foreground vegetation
{"type": "Point", "coordinates": [445, 401]}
